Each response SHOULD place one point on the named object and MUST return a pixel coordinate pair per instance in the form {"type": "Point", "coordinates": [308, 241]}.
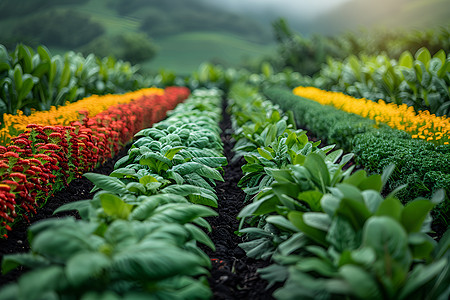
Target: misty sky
{"type": "Point", "coordinates": [307, 9]}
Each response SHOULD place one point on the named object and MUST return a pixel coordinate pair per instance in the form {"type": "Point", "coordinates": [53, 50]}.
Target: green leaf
{"type": "Point", "coordinates": [387, 172]}
{"type": "Point", "coordinates": [81, 206]}
{"type": "Point", "coordinates": [264, 153]}
{"type": "Point", "coordinates": [27, 86]}
{"type": "Point", "coordinates": [391, 207]}
{"type": "Point", "coordinates": [107, 183]}
{"type": "Point", "coordinates": [171, 153]}
{"type": "Point", "coordinates": [373, 182]}
{"type": "Point", "coordinates": [342, 235]}
{"type": "Point", "coordinates": [414, 214]}
{"type": "Point", "coordinates": [157, 261]}
{"type": "Point", "coordinates": [29, 260]}
{"type": "Point", "coordinates": [200, 236]}
{"type": "Point", "coordinates": [194, 193]}
{"type": "Point", "coordinates": [318, 169]}
{"type": "Point", "coordinates": [363, 284]}
{"type": "Point", "coordinates": [423, 55]}
{"type": "Point", "coordinates": [317, 220]}
{"type": "Point", "coordinates": [296, 218]}
{"type": "Point", "coordinates": [202, 170]}
{"type": "Point", "coordinates": [35, 284]}
{"type": "Point", "coordinates": [312, 198]}
{"type": "Point", "coordinates": [84, 266]}
{"type": "Point", "coordinates": [124, 173]}
{"type": "Point", "coordinates": [136, 187]}
{"type": "Point", "coordinates": [282, 223]}
{"type": "Point", "coordinates": [406, 60]}
{"type": "Point", "coordinates": [372, 199]}
{"type": "Point", "coordinates": [390, 241]}
{"type": "Point", "coordinates": [421, 275]}
{"type": "Point", "coordinates": [115, 206]}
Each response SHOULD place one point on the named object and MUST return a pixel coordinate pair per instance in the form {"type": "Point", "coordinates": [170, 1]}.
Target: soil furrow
{"type": "Point", "coordinates": [233, 275]}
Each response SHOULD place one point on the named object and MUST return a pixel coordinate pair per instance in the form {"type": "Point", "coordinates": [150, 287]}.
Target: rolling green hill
{"type": "Point", "coordinates": [204, 32]}
{"type": "Point", "coordinates": [183, 53]}
{"type": "Point", "coordinates": [356, 14]}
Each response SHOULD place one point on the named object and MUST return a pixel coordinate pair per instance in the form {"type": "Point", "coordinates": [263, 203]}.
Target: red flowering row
{"type": "Point", "coordinates": [44, 159]}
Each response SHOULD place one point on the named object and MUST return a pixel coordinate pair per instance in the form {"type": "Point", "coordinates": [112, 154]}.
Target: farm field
{"type": "Point", "coordinates": [309, 167]}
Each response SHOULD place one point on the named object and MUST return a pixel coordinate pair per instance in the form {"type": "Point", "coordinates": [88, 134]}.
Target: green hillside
{"type": "Point", "coordinates": [356, 14]}
{"type": "Point", "coordinates": [184, 52]}
{"type": "Point", "coordinates": [118, 27]}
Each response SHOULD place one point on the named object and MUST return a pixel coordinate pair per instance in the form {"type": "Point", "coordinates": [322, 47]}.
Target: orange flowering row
{"type": "Point", "coordinates": [46, 158]}
{"type": "Point", "coordinates": [13, 125]}
{"type": "Point", "coordinates": [422, 125]}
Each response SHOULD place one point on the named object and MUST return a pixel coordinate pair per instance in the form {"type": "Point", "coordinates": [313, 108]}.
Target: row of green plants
{"type": "Point", "coordinates": [307, 54]}
{"type": "Point", "coordinates": [420, 165]}
{"type": "Point", "coordinates": [36, 79]}
{"type": "Point", "coordinates": [421, 81]}
{"type": "Point", "coordinates": [139, 236]}
{"type": "Point", "coordinates": [45, 159]}
{"type": "Point", "coordinates": [327, 230]}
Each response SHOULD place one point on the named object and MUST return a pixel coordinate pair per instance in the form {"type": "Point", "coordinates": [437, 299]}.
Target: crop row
{"type": "Point", "coordinates": [420, 81]}
{"type": "Point", "coordinates": [37, 80]}
{"type": "Point", "coordinates": [329, 232]}
{"type": "Point", "coordinates": [137, 238]}
{"type": "Point", "coordinates": [420, 165]}
{"type": "Point", "coordinates": [44, 159]}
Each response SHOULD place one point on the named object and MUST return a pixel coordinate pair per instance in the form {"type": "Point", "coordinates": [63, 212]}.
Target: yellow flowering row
{"type": "Point", "coordinates": [422, 125]}
{"type": "Point", "coordinates": [64, 115]}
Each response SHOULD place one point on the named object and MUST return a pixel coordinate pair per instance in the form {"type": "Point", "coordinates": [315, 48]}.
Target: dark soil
{"type": "Point", "coordinates": [234, 275]}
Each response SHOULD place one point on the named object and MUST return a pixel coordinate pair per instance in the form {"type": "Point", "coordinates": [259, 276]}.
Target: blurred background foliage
{"type": "Point", "coordinates": [180, 34]}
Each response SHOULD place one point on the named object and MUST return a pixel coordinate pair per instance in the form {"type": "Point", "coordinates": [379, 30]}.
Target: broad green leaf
{"type": "Point", "coordinates": [372, 199]}
{"type": "Point", "coordinates": [296, 218]}
{"type": "Point", "coordinates": [316, 265]}
{"type": "Point", "coordinates": [81, 206]}
{"type": "Point", "coordinates": [202, 170]}
{"type": "Point", "coordinates": [35, 284]}
{"type": "Point", "coordinates": [84, 266]}
{"type": "Point", "coordinates": [200, 236]}
{"type": "Point", "coordinates": [373, 182]}
{"type": "Point", "coordinates": [391, 207]}
{"type": "Point", "coordinates": [356, 178]}
{"type": "Point", "coordinates": [354, 210]}
{"type": "Point", "coordinates": [114, 206]}
{"type": "Point", "coordinates": [281, 222]}
{"type": "Point", "coordinates": [159, 261]}
{"type": "Point", "coordinates": [342, 236]}
{"type": "Point", "coordinates": [312, 198]}
{"type": "Point", "coordinates": [318, 169]}
{"type": "Point", "coordinates": [262, 206]}
{"type": "Point", "coordinates": [264, 153]}
{"type": "Point", "coordinates": [107, 183]}
{"type": "Point", "coordinates": [317, 220]}
{"type": "Point", "coordinates": [123, 172]}
{"type": "Point", "coordinates": [136, 187]}
{"type": "Point", "coordinates": [388, 238]}
{"type": "Point", "coordinates": [363, 284]}
{"type": "Point", "coordinates": [414, 214]}
{"type": "Point", "coordinates": [295, 242]}
{"type": "Point", "coordinates": [171, 153]}
{"type": "Point", "coordinates": [406, 60]}
{"type": "Point", "coordinates": [194, 193]}
{"type": "Point", "coordinates": [27, 86]}
{"type": "Point", "coordinates": [28, 260]}
{"type": "Point", "coordinates": [423, 55]}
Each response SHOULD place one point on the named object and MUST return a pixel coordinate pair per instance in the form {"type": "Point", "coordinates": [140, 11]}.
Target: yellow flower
{"type": "Point", "coordinates": [422, 125]}
{"type": "Point", "coordinates": [13, 125]}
